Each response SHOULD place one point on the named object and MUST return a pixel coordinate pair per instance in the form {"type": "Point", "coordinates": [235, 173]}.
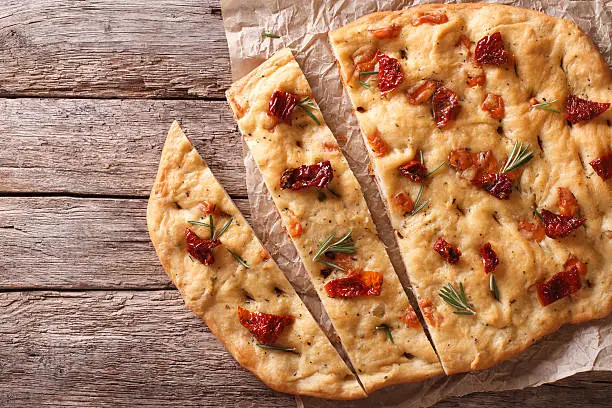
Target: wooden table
{"type": "Point", "coordinates": [87, 315]}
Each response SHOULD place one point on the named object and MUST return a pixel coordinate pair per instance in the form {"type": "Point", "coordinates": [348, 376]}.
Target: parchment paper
{"type": "Point", "coordinates": [303, 26]}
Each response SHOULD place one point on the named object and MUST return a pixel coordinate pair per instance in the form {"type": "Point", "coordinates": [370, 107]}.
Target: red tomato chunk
{"type": "Point", "coordinates": [266, 328]}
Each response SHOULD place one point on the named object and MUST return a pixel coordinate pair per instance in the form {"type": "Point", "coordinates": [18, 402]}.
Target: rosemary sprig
{"type": "Point", "coordinates": [200, 223]}
{"type": "Point", "coordinates": [493, 287]}
{"type": "Point", "coordinates": [519, 156]}
{"type": "Point", "coordinates": [344, 245]}
{"type": "Point", "coordinates": [436, 169]}
{"type": "Point", "coordinates": [546, 106]}
{"type": "Point", "coordinates": [270, 35]}
{"type": "Point", "coordinates": [308, 106]}
{"type": "Point", "coordinates": [388, 330]}
{"type": "Point", "coordinates": [279, 348]}
{"type": "Point", "coordinates": [365, 84]}
{"type": "Point", "coordinates": [223, 229]}
{"type": "Point", "coordinates": [458, 300]}
{"type": "Point", "coordinates": [214, 235]}
{"type": "Point", "coordinates": [238, 258]}
{"type": "Point", "coordinates": [368, 73]}
{"type": "Point", "coordinates": [418, 207]}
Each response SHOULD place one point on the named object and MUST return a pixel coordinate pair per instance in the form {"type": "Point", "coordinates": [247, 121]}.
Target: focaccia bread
{"type": "Point", "coordinates": [323, 210]}
{"type": "Point", "coordinates": [232, 283]}
{"type": "Point", "coordinates": [525, 238]}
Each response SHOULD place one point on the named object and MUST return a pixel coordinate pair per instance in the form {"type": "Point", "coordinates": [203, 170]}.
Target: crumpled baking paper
{"type": "Point", "coordinates": [303, 26]}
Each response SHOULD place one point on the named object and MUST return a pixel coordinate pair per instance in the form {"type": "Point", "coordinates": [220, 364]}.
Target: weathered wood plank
{"type": "Point", "coordinates": [76, 243]}
{"type": "Point", "coordinates": [109, 147]}
{"type": "Point", "coordinates": [125, 349]}
{"type": "Point", "coordinates": [113, 49]}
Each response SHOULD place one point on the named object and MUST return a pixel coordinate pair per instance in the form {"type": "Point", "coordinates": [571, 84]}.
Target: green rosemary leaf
{"type": "Point", "coordinates": [546, 106]}
{"type": "Point", "coordinates": [270, 35]}
{"type": "Point", "coordinates": [537, 213]}
{"type": "Point", "coordinates": [279, 348]}
{"type": "Point", "coordinates": [344, 245]}
{"type": "Point", "coordinates": [458, 300]}
{"type": "Point", "coordinates": [436, 169]}
{"type": "Point", "coordinates": [238, 258]}
{"type": "Point", "coordinates": [307, 105]}
{"type": "Point", "coordinates": [211, 225]}
{"type": "Point", "coordinates": [223, 229]}
{"type": "Point", "coordinates": [420, 207]}
{"type": "Point", "coordinates": [519, 156]}
{"type": "Point", "coordinates": [421, 157]}
{"type": "Point", "coordinates": [200, 223]}
{"type": "Point", "coordinates": [368, 73]}
{"type": "Point", "coordinates": [365, 84]}
{"type": "Point", "coordinates": [493, 287]}
{"type": "Point", "coordinates": [388, 330]}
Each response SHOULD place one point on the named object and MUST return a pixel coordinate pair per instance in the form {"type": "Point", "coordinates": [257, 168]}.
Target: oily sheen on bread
{"type": "Point", "coordinates": [462, 84]}
{"type": "Point", "coordinates": [238, 287]}
{"type": "Point", "coordinates": [320, 202]}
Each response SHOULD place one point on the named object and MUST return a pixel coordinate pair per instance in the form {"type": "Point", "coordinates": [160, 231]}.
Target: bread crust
{"type": "Point", "coordinates": [337, 209]}
{"type": "Point", "coordinates": [214, 292]}
{"type": "Point", "coordinates": [553, 58]}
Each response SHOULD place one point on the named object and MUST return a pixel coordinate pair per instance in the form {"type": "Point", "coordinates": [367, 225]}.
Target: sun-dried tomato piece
{"type": "Point", "coordinates": [533, 101]}
{"type": "Point", "coordinates": [460, 159]}
{"type": "Point", "coordinates": [489, 257]}
{"type": "Point", "coordinates": [414, 170]}
{"type": "Point", "coordinates": [355, 284]}
{"type": "Point", "coordinates": [573, 262]}
{"type": "Point", "coordinates": [281, 105]}
{"type": "Point", "coordinates": [490, 50]}
{"type": "Point", "coordinates": [494, 105]}
{"type": "Point", "coordinates": [345, 261]}
{"type": "Point", "coordinates": [486, 162]}
{"type": "Point", "coordinates": [422, 93]}
{"type": "Point", "coordinates": [497, 184]}
{"type": "Point", "coordinates": [403, 201]}
{"type": "Point", "coordinates": [429, 313]}
{"type": "Point", "coordinates": [429, 18]}
{"type": "Point", "coordinates": [533, 231]}
{"type": "Point", "coordinates": [476, 80]}
{"type": "Point", "coordinates": [410, 318]}
{"type": "Point", "coordinates": [265, 327]}
{"type": "Point", "coordinates": [603, 166]}
{"type": "Point", "coordinates": [568, 205]}
{"type": "Point", "coordinates": [208, 208]}
{"type": "Point", "coordinates": [381, 33]}
{"type": "Point", "coordinates": [563, 283]}
{"type": "Point", "coordinates": [445, 106]}
{"type": "Point", "coordinates": [200, 248]}
{"type": "Point", "coordinates": [364, 60]}
{"type": "Point", "coordinates": [317, 175]}
{"type": "Point", "coordinates": [447, 251]}
{"type": "Point", "coordinates": [559, 226]}
{"type": "Point", "coordinates": [578, 109]}
{"type": "Point", "coordinates": [465, 42]}
{"type": "Point", "coordinates": [390, 74]}
{"type": "Point", "coordinates": [378, 145]}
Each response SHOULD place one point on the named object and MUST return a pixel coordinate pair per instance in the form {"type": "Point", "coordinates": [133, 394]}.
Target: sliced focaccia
{"type": "Point", "coordinates": [323, 210]}
{"type": "Point", "coordinates": [510, 238]}
{"type": "Point", "coordinates": [228, 279]}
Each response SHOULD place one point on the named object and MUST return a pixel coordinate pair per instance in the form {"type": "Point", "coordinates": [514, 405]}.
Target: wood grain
{"type": "Point", "coordinates": [117, 349]}
{"type": "Point", "coordinates": [121, 349]}
{"type": "Point", "coordinates": [78, 243]}
{"type": "Point", "coordinates": [109, 147]}
{"type": "Point", "coordinates": [113, 49]}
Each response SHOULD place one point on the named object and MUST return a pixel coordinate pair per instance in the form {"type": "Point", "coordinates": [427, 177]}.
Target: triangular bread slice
{"type": "Point", "coordinates": [512, 72]}
{"type": "Point", "coordinates": [380, 332]}
{"type": "Point", "coordinates": [216, 291]}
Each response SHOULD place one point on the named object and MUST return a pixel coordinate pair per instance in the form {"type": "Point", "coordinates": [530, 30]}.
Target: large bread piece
{"type": "Point", "coordinates": [184, 190]}
{"type": "Point", "coordinates": [550, 59]}
{"type": "Point", "coordinates": [381, 334]}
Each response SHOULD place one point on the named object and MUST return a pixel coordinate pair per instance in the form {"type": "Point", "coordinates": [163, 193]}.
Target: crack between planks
{"type": "Point", "coordinates": [88, 195]}
{"type": "Point", "coordinates": [116, 98]}
{"type": "Point", "coordinates": [78, 290]}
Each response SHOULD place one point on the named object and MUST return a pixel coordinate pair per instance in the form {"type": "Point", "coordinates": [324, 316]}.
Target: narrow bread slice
{"type": "Point", "coordinates": [241, 282]}
{"type": "Point", "coordinates": [466, 84]}
{"type": "Point", "coordinates": [363, 296]}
